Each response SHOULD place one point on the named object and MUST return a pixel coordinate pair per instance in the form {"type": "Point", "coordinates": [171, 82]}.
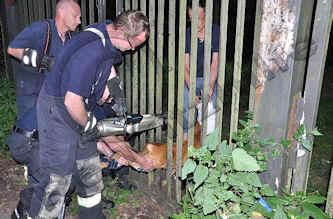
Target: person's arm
{"type": "Point", "coordinates": [187, 69]}
{"type": "Point", "coordinates": [17, 53]}
{"type": "Point", "coordinates": [75, 106]}
{"type": "Point", "coordinates": [119, 145]}
{"type": "Point", "coordinates": [213, 73]}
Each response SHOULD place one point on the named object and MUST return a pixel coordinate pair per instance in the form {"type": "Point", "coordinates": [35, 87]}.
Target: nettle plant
{"type": "Point", "coordinates": [223, 181]}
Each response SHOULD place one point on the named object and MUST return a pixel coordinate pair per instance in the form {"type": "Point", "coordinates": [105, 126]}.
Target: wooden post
{"type": "Point", "coordinates": [315, 72]}
{"type": "Point", "coordinates": [329, 202]}
{"type": "Point", "coordinates": [276, 85]}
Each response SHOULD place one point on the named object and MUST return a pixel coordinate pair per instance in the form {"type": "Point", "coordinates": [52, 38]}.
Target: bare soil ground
{"type": "Point", "coordinates": [128, 204]}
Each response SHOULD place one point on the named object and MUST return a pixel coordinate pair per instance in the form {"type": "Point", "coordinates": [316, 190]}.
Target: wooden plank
{"type": "Point", "coordinates": [41, 9]}
{"type": "Point", "coordinates": [180, 101]}
{"type": "Point", "coordinates": [127, 69]}
{"type": "Point", "coordinates": [257, 30]}
{"type": "Point", "coordinates": [237, 67]}
{"type": "Point", "coordinates": [151, 65]}
{"type": "Point", "coordinates": [207, 63]}
{"type": "Point", "coordinates": [84, 13]}
{"type": "Point", "coordinates": [143, 77]}
{"type": "Point", "coordinates": [25, 13]}
{"type": "Point", "coordinates": [315, 72]}
{"type": "Point", "coordinates": [159, 65]}
{"type": "Point", "coordinates": [222, 63]}
{"type": "Point", "coordinates": [193, 70]}
{"type": "Point", "coordinates": [303, 38]}
{"type": "Point", "coordinates": [48, 7]}
{"type": "Point", "coordinates": [91, 11]}
{"type": "Point", "coordinates": [171, 91]}
{"type": "Point", "coordinates": [30, 11]}
{"type": "Point", "coordinates": [54, 4]}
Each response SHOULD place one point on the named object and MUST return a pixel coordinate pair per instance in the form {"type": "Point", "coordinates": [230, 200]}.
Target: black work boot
{"type": "Point", "coordinates": [106, 203]}
{"type": "Point", "coordinates": [123, 183]}
{"type": "Point", "coordinates": [19, 212]}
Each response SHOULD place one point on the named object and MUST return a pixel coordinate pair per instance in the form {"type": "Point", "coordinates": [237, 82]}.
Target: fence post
{"type": "Point", "coordinates": [276, 81]}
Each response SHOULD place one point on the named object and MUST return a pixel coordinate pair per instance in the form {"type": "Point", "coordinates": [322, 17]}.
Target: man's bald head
{"type": "Point", "coordinates": [68, 13]}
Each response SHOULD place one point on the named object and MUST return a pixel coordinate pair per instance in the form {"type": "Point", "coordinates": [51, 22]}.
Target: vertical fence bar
{"type": "Point", "coordinates": [151, 72]}
{"type": "Point", "coordinates": [159, 64]}
{"type": "Point", "coordinates": [237, 66]}
{"type": "Point", "coordinates": [30, 11]}
{"type": "Point", "coordinates": [35, 9]}
{"type": "Point", "coordinates": [329, 202]}
{"type": "Point", "coordinates": [193, 71]}
{"type": "Point", "coordinates": [207, 63]}
{"type": "Point", "coordinates": [54, 3]}
{"type": "Point", "coordinates": [42, 9]}
{"type": "Point", "coordinates": [119, 8]}
{"type": "Point", "coordinates": [171, 91]}
{"type": "Point", "coordinates": [151, 65]}
{"type": "Point", "coordinates": [222, 63]}
{"type": "Point", "coordinates": [84, 13]}
{"type": "Point", "coordinates": [48, 6]}
{"type": "Point", "coordinates": [143, 76]}
{"type": "Point", "coordinates": [91, 11]}
{"type": "Point", "coordinates": [315, 72]}
{"type": "Point", "coordinates": [135, 76]}
{"type": "Point", "coordinates": [127, 70]}
{"type": "Point", "coordinates": [256, 37]}
{"type": "Point", "coordinates": [101, 7]}
{"type": "Point", "coordinates": [180, 101]}
{"type": "Point", "coordinates": [25, 13]}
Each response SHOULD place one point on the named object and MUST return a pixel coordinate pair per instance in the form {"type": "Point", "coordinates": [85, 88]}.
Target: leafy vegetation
{"type": "Point", "coordinates": [223, 181]}
{"type": "Point", "coordinates": [7, 110]}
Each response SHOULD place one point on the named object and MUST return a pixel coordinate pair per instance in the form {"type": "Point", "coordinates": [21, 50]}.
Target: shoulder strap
{"type": "Point", "coordinates": [47, 40]}
{"type": "Point", "coordinates": [98, 32]}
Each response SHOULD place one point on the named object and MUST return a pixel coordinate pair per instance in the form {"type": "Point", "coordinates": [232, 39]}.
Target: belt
{"type": "Point", "coordinates": [32, 135]}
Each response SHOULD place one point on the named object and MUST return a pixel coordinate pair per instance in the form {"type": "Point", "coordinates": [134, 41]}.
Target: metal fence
{"type": "Point", "coordinates": [154, 74]}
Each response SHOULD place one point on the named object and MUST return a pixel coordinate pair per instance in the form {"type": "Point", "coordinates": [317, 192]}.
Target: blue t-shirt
{"type": "Point", "coordinates": [84, 65]}
{"type": "Point", "coordinates": [34, 36]}
{"type": "Point", "coordinates": [201, 45]}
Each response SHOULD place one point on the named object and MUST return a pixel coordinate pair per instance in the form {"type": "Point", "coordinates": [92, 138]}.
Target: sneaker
{"type": "Point", "coordinates": [19, 212]}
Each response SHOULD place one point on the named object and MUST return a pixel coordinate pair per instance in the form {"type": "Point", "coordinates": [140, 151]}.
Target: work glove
{"type": "Point", "coordinates": [31, 58]}
{"type": "Point", "coordinates": [116, 90]}
{"type": "Point", "coordinates": [90, 131]}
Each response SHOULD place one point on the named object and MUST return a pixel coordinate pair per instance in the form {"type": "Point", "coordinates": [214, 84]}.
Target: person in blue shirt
{"type": "Point", "coordinates": [28, 48]}
{"type": "Point", "coordinates": [78, 81]}
{"type": "Point", "coordinates": [200, 62]}
{"type": "Point", "coordinates": [36, 46]}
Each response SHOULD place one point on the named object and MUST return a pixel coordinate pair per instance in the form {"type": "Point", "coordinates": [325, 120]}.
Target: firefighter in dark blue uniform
{"type": "Point", "coordinates": [76, 83]}
{"type": "Point", "coordinates": [36, 46]}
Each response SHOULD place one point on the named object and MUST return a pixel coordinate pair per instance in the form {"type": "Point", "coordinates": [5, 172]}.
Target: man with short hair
{"type": "Point", "coordinates": [36, 47]}
{"type": "Point", "coordinates": [200, 65]}
{"type": "Point", "coordinates": [76, 83]}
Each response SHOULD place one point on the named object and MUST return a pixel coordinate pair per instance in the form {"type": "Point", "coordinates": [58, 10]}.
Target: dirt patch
{"type": "Point", "coordinates": [128, 204]}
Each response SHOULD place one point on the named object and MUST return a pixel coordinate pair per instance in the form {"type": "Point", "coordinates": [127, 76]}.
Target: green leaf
{"type": "Point", "coordinates": [188, 168]}
{"type": "Point", "coordinates": [315, 132]}
{"type": "Point", "coordinates": [285, 143]}
{"type": "Point", "coordinates": [224, 149]}
{"type": "Point", "coordinates": [314, 199]}
{"type": "Point", "coordinates": [212, 140]}
{"type": "Point", "coordinates": [200, 174]}
{"type": "Point", "coordinates": [242, 161]}
{"type": "Point", "coordinates": [266, 190]}
{"type": "Point", "coordinates": [275, 153]}
{"type": "Point", "coordinates": [307, 145]}
{"type": "Point", "coordinates": [314, 211]}
{"type": "Point", "coordinates": [279, 214]}
{"type": "Point", "coordinates": [209, 205]}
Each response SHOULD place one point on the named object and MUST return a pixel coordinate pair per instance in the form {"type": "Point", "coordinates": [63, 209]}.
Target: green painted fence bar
{"type": "Point", "coordinates": [237, 66]}
{"type": "Point", "coordinates": [135, 74]}
{"type": "Point", "coordinates": [127, 68]}
{"type": "Point", "coordinates": [91, 11]}
{"type": "Point", "coordinates": [83, 14]}
{"type": "Point", "coordinates": [53, 8]}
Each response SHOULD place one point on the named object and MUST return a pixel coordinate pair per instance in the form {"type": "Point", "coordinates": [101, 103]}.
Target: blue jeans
{"type": "Point", "coordinates": [199, 87]}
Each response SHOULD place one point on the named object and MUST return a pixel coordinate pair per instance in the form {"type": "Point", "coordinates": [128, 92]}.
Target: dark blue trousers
{"type": "Point", "coordinates": [61, 161]}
